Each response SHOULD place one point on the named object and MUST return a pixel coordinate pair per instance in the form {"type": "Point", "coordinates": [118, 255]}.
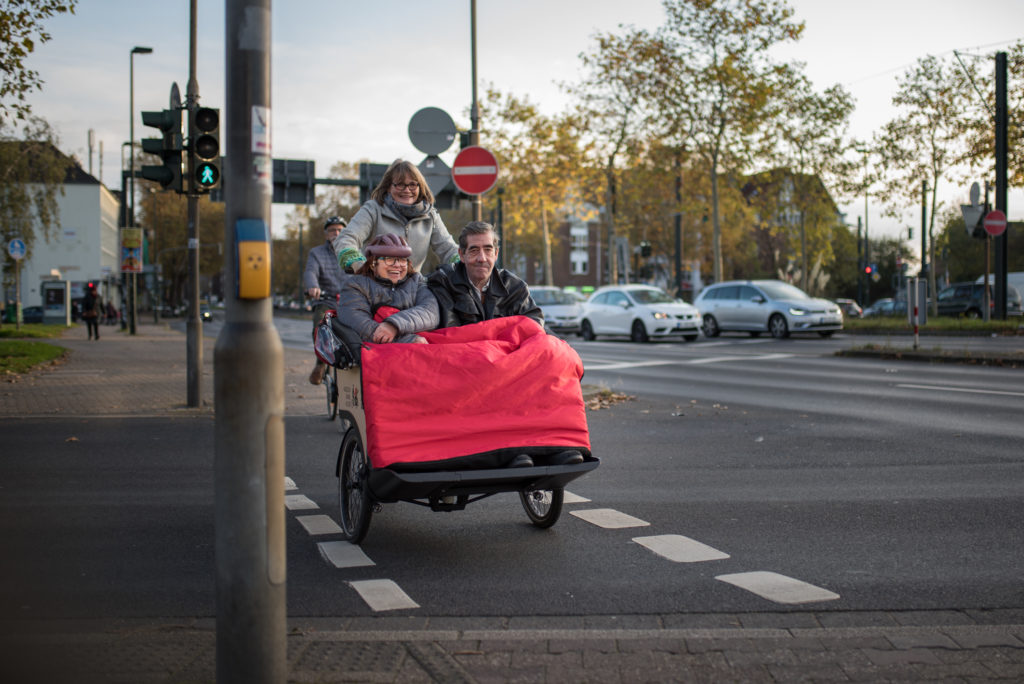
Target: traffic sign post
{"type": "Point", "coordinates": [475, 170]}
{"type": "Point", "coordinates": [16, 248]}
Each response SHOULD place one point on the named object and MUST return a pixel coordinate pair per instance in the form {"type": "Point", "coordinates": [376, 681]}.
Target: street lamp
{"type": "Point", "coordinates": [867, 256]}
{"type": "Point", "coordinates": [131, 159]}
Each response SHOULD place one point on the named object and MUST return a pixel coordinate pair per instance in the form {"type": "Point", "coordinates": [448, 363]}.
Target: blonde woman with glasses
{"type": "Point", "coordinates": [402, 205]}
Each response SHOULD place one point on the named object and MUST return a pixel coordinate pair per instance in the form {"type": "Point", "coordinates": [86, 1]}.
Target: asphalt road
{"type": "Point", "coordinates": [864, 485]}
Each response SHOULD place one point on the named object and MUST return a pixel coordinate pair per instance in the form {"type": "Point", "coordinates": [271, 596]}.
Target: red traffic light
{"type": "Point", "coordinates": [867, 270]}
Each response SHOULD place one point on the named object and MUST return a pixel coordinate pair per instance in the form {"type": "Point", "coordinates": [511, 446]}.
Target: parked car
{"type": "Point", "coordinates": [32, 314]}
{"type": "Point", "coordinates": [968, 299]}
{"type": "Point", "coordinates": [640, 311]}
{"type": "Point", "coordinates": [758, 306]}
{"type": "Point", "coordinates": [851, 309]}
{"type": "Point", "coordinates": [562, 311]}
{"type": "Point", "coordinates": [886, 306]}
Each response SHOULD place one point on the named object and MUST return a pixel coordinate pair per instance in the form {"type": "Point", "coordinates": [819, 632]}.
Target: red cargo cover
{"type": "Point", "coordinates": [495, 385]}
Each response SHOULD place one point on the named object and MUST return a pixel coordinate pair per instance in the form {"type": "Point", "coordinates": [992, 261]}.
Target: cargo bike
{"type": "Point", "coordinates": [438, 425]}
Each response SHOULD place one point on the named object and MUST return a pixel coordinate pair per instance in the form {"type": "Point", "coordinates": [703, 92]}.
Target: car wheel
{"type": "Point", "coordinates": [638, 333]}
{"type": "Point", "coordinates": [587, 331]}
{"type": "Point", "coordinates": [711, 328]}
{"type": "Point", "coordinates": [778, 326]}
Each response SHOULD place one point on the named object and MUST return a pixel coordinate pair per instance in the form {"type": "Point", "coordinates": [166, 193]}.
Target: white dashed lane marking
{"type": "Point", "coordinates": [778, 588]}
{"type": "Point", "coordinates": [289, 484]}
{"type": "Point", "coordinates": [383, 595]}
{"type": "Point", "coordinates": [569, 498]}
{"type": "Point", "coordinates": [299, 502]}
{"type": "Point", "coordinates": [319, 524]}
{"type": "Point", "coordinates": [680, 549]}
{"type": "Point", "coordinates": [343, 554]}
{"type": "Point", "coordinates": [609, 518]}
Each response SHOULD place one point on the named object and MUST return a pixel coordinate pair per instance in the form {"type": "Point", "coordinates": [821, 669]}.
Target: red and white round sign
{"type": "Point", "coordinates": [995, 222]}
{"type": "Point", "coordinates": [475, 170]}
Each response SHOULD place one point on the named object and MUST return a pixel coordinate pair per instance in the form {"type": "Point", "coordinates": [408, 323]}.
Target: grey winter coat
{"type": "Point", "coordinates": [424, 233]}
{"type": "Point", "coordinates": [323, 271]}
{"type": "Point", "coordinates": [362, 295]}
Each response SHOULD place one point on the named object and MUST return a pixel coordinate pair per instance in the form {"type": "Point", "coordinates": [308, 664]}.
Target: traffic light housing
{"type": "Point", "coordinates": [869, 269]}
{"type": "Point", "coordinates": [170, 148]}
{"type": "Point", "coordinates": [206, 148]}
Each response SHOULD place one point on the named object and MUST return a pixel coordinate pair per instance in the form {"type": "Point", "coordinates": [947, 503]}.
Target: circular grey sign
{"type": "Point", "coordinates": [431, 130]}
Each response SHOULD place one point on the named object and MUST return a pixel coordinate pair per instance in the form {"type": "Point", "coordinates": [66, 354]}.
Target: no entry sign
{"type": "Point", "coordinates": [475, 170]}
{"type": "Point", "coordinates": [995, 222]}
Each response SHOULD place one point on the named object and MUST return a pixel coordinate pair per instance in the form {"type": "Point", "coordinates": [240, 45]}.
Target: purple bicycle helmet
{"type": "Point", "coordinates": [387, 244]}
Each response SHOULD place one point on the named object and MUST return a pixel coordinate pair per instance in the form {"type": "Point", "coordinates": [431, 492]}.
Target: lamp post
{"type": "Point", "coordinates": [867, 250]}
{"type": "Point", "coordinates": [130, 222]}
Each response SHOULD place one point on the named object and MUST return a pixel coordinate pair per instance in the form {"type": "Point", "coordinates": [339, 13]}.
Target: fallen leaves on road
{"type": "Point", "coordinates": [606, 398]}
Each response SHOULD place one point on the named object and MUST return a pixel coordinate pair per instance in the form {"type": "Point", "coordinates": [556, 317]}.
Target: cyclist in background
{"type": "Point", "coordinates": [322, 281]}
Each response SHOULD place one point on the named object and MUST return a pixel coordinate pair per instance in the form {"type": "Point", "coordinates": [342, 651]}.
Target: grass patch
{"type": "Point", "coordinates": [20, 356]}
{"type": "Point", "coordinates": [935, 325]}
{"type": "Point", "coordinates": [32, 330]}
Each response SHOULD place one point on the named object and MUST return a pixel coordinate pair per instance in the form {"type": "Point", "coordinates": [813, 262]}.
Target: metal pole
{"type": "Point", "coordinates": [860, 267]}
{"type": "Point", "coordinates": [679, 230]}
{"type": "Point", "coordinates": [249, 383]}
{"type": "Point", "coordinates": [194, 325]}
{"type": "Point", "coordinates": [130, 222]}
{"type": "Point", "coordinates": [1002, 243]}
{"type": "Point", "coordinates": [474, 112]}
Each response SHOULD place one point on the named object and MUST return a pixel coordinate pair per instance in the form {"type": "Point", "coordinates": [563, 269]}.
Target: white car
{"type": "Point", "coordinates": [640, 311]}
{"type": "Point", "coordinates": [773, 306]}
{"type": "Point", "coordinates": [562, 311]}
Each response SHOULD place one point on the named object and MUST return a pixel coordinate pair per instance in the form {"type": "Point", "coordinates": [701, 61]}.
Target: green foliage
{"type": "Point", "coordinates": [32, 330]}
{"type": "Point", "coordinates": [963, 256]}
{"type": "Point", "coordinates": [20, 356]}
{"type": "Point", "coordinates": [21, 29]}
{"type": "Point", "coordinates": [32, 172]}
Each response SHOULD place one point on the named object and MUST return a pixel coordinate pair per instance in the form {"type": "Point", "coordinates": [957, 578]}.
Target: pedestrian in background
{"type": "Point", "coordinates": [92, 306]}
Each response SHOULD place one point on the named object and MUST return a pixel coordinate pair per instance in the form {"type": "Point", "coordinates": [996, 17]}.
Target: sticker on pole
{"type": "Point", "coordinates": [995, 223]}
{"type": "Point", "coordinates": [475, 170]}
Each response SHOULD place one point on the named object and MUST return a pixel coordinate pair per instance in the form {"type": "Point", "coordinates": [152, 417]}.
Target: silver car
{"type": "Point", "coordinates": [562, 311]}
{"type": "Point", "coordinates": [773, 306]}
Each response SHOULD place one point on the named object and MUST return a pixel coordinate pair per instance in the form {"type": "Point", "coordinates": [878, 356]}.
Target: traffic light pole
{"type": "Point", "coordinates": [474, 111]}
{"type": "Point", "coordinates": [194, 325]}
{"type": "Point", "coordinates": [249, 378]}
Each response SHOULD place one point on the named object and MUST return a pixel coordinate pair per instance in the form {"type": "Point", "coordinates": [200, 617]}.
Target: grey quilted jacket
{"type": "Point", "coordinates": [362, 295]}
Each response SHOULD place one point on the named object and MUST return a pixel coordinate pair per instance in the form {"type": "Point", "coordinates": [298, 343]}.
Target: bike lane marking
{"type": "Point", "coordinates": [343, 554]}
{"type": "Point", "coordinates": [383, 595]}
{"type": "Point", "coordinates": [680, 549]}
{"type": "Point", "coordinates": [319, 524]}
{"type": "Point", "coordinates": [609, 518]}
{"type": "Point", "coordinates": [778, 588]}
{"type": "Point", "coordinates": [299, 502]}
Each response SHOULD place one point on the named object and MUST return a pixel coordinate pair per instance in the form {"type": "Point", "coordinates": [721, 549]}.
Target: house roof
{"type": "Point", "coordinates": [74, 173]}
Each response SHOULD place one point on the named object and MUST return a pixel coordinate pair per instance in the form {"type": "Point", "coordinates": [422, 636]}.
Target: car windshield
{"type": "Point", "coordinates": [782, 291]}
{"type": "Point", "coordinates": [552, 297]}
{"type": "Point", "coordinates": [652, 296]}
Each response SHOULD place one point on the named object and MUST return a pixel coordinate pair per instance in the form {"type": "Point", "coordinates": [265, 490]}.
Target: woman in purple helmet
{"type": "Point", "coordinates": [387, 300]}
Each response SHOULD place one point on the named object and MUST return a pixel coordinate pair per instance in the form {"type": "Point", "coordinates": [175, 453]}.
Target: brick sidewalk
{"type": "Point", "coordinates": [133, 375]}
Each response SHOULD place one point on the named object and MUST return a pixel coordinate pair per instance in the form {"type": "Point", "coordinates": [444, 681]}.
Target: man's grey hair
{"type": "Point", "coordinates": [477, 228]}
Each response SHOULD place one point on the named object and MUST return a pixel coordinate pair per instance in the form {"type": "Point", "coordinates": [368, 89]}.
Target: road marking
{"type": "Point", "coordinates": [628, 364]}
{"type": "Point", "coordinates": [680, 549]}
{"type": "Point", "coordinates": [383, 595]}
{"type": "Point", "coordinates": [298, 502]}
{"type": "Point", "coordinates": [760, 357]}
{"type": "Point", "coordinates": [778, 588]}
{"type": "Point", "coordinates": [318, 524]}
{"type": "Point", "coordinates": [942, 388]}
{"type": "Point", "coordinates": [343, 554]}
{"type": "Point", "coordinates": [289, 484]}
{"type": "Point", "coordinates": [608, 518]}
{"type": "Point", "coordinates": [569, 497]}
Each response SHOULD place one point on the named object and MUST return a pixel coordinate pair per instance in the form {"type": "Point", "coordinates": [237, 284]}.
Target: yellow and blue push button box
{"type": "Point", "coordinates": [252, 265]}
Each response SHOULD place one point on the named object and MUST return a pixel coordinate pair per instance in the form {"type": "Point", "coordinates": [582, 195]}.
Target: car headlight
{"type": "Point", "coordinates": [796, 311]}
{"type": "Point", "coordinates": [659, 315]}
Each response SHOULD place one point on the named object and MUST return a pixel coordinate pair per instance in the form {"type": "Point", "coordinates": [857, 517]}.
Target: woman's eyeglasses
{"type": "Point", "coordinates": [391, 261]}
{"type": "Point", "coordinates": [406, 186]}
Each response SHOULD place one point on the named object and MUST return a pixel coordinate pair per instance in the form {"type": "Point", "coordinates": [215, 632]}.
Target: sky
{"type": "Point", "coordinates": [347, 75]}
